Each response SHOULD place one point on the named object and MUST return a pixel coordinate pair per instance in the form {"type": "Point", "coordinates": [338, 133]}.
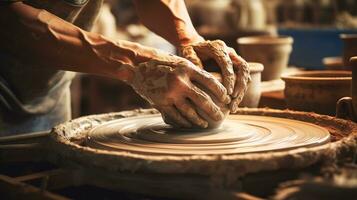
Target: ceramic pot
{"type": "Point", "coordinates": [335, 63]}
{"type": "Point", "coordinates": [249, 14]}
{"type": "Point", "coordinates": [349, 47]}
{"type": "Point", "coordinates": [347, 106]}
{"type": "Point", "coordinates": [252, 96]}
{"type": "Point", "coordinates": [212, 13]}
{"type": "Point", "coordinates": [272, 51]}
{"type": "Point", "coordinates": [316, 91]}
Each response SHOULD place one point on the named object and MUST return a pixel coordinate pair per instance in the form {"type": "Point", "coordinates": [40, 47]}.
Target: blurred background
{"type": "Point", "coordinates": [315, 26]}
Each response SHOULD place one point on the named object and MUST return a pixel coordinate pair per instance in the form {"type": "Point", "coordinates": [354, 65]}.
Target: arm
{"type": "Point", "coordinates": [42, 38]}
{"type": "Point", "coordinates": [165, 80]}
{"type": "Point", "coordinates": [170, 19]}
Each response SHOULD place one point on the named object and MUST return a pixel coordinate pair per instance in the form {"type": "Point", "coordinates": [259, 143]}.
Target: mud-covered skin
{"type": "Point", "coordinates": [169, 85]}
{"type": "Point", "coordinates": [234, 69]}
{"type": "Point", "coordinates": [172, 84]}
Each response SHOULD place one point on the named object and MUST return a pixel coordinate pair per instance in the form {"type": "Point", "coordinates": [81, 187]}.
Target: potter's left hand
{"type": "Point", "coordinates": [234, 69]}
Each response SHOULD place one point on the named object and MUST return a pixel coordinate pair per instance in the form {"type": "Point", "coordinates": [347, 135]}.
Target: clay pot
{"type": "Point", "coordinates": [335, 63]}
{"type": "Point", "coordinates": [249, 14]}
{"type": "Point", "coordinates": [316, 91]}
{"type": "Point", "coordinates": [272, 51]}
{"type": "Point", "coordinates": [252, 95]}
{"type": "Point", "coordinates": [347, 106]}
{"type": "Point", "coordinates": [212, 13]}
{"type": "Point", "coordinates": [349, 47]}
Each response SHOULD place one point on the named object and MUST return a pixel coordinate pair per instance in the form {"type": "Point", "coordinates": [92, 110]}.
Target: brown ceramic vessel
{"type": "Point", "coordinates": [272, 51]}
{"type": "Point", "coordinates": [316, 91]}
{"type": "Point", "coordinates": [347, 106]}
{"type": "Point", "coordinates": [349, 47]}
{"type": "Point", "coordinates": [335, 63]}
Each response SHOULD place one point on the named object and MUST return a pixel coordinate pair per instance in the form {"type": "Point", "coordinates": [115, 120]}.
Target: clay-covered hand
{"type": "Point", "coordinates": [173, 85]}
{"type": "Point", "coordinates": [234, 69]}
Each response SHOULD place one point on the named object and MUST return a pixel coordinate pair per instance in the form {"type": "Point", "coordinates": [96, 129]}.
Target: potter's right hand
{"type": "Point", "coordinates": [171, 86]}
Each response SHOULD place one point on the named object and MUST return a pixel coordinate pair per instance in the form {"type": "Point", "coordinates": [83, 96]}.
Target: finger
{"type": "Point", "coordinates": [219, 52]}
{"type": "Point", "coordinates": [173, 117]}
{"type": "Point", "coordinates": [242, 79]}
{"type": "Point", "coordinates": [190, 54]}
{"type": "Point", "coordinates": [208, 81]}
{"type": "Point", "coordinates": [205, 103]}
{"type": "Point", "coordinates": [186, 109]}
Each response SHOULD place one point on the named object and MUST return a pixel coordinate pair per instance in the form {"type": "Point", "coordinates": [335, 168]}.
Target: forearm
{"type": "Point", "coordinates": [169, 19]}
{"type": "Point", "coordinates": [41, 38]}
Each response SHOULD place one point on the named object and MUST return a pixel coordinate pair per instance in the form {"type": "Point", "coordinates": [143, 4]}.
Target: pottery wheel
{"type": "Point", "coordinates": [148, 134]}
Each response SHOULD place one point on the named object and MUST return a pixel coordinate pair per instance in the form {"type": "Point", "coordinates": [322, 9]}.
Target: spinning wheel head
{"type": "Point", "coordinates": [148, 134]}
{"type": "Point", "coordinates": [256, 140]}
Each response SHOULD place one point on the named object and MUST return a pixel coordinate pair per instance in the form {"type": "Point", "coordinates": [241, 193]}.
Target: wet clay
{"type": "Point", "coordinates": [148, 134]}
{"type": "Point", "coordinates": [68, 140]}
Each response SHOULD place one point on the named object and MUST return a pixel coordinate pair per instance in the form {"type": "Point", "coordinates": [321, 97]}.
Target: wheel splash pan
{"type": "Point", "coordinates": [67, 141]}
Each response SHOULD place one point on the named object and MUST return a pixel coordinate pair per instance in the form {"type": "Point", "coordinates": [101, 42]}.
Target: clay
{"type": "Point", "coordinates": [148, 134]}
{"type": "Point", "coordinates": [316, 91]}
{"type": "Point", "coordinates": [272, 51]}
{"type": "Point", "coordinates": [67, 142]}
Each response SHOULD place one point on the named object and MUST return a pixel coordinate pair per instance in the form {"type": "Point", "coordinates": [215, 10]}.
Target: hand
{"type": "Point", "coordinates": [234, 69]}
{"type": "Point", "coordinates": [171, 86]}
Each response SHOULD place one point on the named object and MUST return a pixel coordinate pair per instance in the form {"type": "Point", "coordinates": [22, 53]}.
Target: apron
{"type": "Point", "coordinates": [34, 98]}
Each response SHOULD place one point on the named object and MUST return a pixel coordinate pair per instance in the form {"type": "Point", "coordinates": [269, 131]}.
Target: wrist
{"type": "Point", "coordinates": [126, 73]}
{"type": "Point", "coordinates": [188, 40]}
{"type": "Point", "coordinates": [117, 59]}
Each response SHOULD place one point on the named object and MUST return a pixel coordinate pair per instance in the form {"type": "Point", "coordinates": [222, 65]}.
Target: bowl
{"type": "Point", "coordinates": [316, 91]}
{"type": "Point", "coordinates": [272, 51]}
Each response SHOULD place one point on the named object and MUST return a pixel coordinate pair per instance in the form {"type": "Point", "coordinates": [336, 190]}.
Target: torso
{"type": "Point", "coordinates": [40, 99]}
